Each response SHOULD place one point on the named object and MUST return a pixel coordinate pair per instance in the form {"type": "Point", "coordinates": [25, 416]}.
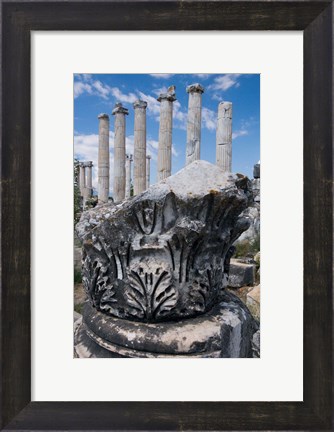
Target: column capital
{"type": "Point", "coordinates": [195, 88]}
{"type": "Point", "coordinates": [170, 95]}
{"type": "Point", "coordinates": [119, 109]}
{"type": "Point", "coordinates": [103, 116]}
{"type": "Point", "coordinates": [129, 157]}
{"type": "Point", "coordinates": [148, 157]}
{"type": "Point", "coordinates": [87, 164]}
{"type": "Point", "coordinates": [140, 104]}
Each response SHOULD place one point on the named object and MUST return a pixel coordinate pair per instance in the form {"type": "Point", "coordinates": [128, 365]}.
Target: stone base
{"type": "Point", "coordinates": [225, 331]}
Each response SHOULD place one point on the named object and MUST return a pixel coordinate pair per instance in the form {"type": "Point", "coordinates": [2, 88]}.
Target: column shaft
{"type": "Point", "coordinates": [103, 159]}
{"type": "Point", "coordinates": [194, 123]}
{"type": "Point", "coordinates": [89, 176]}
{"type": "Point", "coordinates": [128, 161]}
{"type": "Point", "coordinates": [224, 136]}
{"type": "Point", "coordinates": [119, 152]}
{"type": "Point", "coordinates": [82, 180]}
{"type": "Point", "coordinates": [139, 157]}
{"type": "Point", "coordinates": [165, 135]}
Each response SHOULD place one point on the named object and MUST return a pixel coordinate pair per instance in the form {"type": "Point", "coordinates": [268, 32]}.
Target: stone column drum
{"type": "Point", "coordinates": [165, 133]}
{"type": "Point", "coordinates": [148, 170]}
{"type": "Point", "coordinates": [224, 136]}
{"type": "Point", "coordinates": [194, 122]}
{"type": "Point", "coordinates": [103, 159]}
{"type": "Point", "coordinates": [128, 161]}
{"type": "Point", "coordinates": [119, 152]}
{"type": "Point", "coordinates": [139, 156]}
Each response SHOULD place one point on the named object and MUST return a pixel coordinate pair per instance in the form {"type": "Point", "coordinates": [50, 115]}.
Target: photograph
{"type": "Point", "coordinates": [166, 215]}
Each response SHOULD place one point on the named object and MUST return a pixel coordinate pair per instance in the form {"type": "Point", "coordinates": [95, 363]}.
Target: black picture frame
{"type": "Point", "coordinates": [315, 19]}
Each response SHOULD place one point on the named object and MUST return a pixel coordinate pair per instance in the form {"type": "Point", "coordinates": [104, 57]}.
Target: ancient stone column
{"type": "Point", "coordinates": [103, 159]}
{"type": "Point", "coordinates": [194, 123]}
{"type": "Point", "coordinates": [128, 161]}
{"type": "Point", "coordinates": [139, 157]}
{"type": "Point", "coordinates": [224, 136]}
{"type": "Point", "coordinates": [88, 189]}
{"type": "Point", "coordinates": [165, 133]}
{"type": "Point", "coordinates": [82, 178]}
{"type": "Point", "coordinates": [89, 166]}
{"type": "Point", "coordinates": [119, 152]}
{"type": "Point", "coordinates": [148, 169]}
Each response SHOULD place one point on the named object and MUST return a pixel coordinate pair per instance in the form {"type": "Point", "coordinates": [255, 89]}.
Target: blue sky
{"type": "Point", "coordinates": [97, 93]}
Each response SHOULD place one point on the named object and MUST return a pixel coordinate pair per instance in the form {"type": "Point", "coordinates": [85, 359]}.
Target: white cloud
{"type": "Point", "coordinates": [122, 97]}
{"type": "Point", "coordinates": [153, 106]}
{"type": "Point", "coordinates": [101, 89]}
{"type": "Point", "coordinates": [81, 87]}
{"type": "Point", "coordinates": [163, 76]}
{"type": "Point", "coordinates": [202, 76]}
{"type": "Point", "coordinates": [209, 119]}
{"type": "Point", "coordinates": [160, 90]}
{"type": "Point", "coordinates": [224, 82]}
{"type": "Point", "coordinates": [239, 133]}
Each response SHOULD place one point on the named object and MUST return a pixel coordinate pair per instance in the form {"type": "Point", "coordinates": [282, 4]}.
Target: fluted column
{"type": "Point", "coordinates": [224, 136]}
{"type": "Point", "coordinates": [103, 159]}
{"type": "Point", "coordinates": [139, 157]}
{"type": "Point", "coordinates": [148, 170]}
{"type": "Point", "coordinates": [128, 161]}
{"type": "Point", "coordinates": [194, 119]}
{"type": "Point", "coordinates": [119, 152]}
{"type": "Point", "coordinates": [165, 133]}
{"type": "Point", "coordinates": [87, 191]}
{"type": "Point", "coordinates": [89, 166]}
{"type": "Point", "coordinates": [82, 179]}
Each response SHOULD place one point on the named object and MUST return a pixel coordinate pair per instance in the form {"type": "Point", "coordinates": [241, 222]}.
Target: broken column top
{"type": "Point", "coordinates": [169, 95]}
{"type": "Point", "coordinates": [195, 88]}
{"type": "Point", "coordinates": [103, 116]}
{"type": "Point", "coordinates": [164, 254]}
{"type": "Point", "coordinates": [119, 109]}
{"type": "Point", "coordinates": [139, 104]}
{"type": "Point", "coordinates": [227, 108]}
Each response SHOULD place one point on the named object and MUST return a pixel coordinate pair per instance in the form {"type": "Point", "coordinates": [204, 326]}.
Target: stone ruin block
{"type": "Point", "coordinates": [155, 269]}
{"type": "Point", "coordinates": [241, 274]}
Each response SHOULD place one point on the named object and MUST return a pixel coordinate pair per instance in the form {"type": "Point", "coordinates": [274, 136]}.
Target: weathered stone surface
{"type": "Point", "coordinates": [252, 213]}
{"type": "Point", "coordinates": [93, 217]}
{"type": "Point", "coordinates": [241, 274]}
{"type": "Point", "coordinates": [225, 331]}
{"type": "Point", "coordinates": [253, 302]}
{"type": "Point", "coordinates": [164, 254]}
{"type": "Point", "coordinates": [256, 344]}
{"type": "Point", "coordinates": [77, 257]}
